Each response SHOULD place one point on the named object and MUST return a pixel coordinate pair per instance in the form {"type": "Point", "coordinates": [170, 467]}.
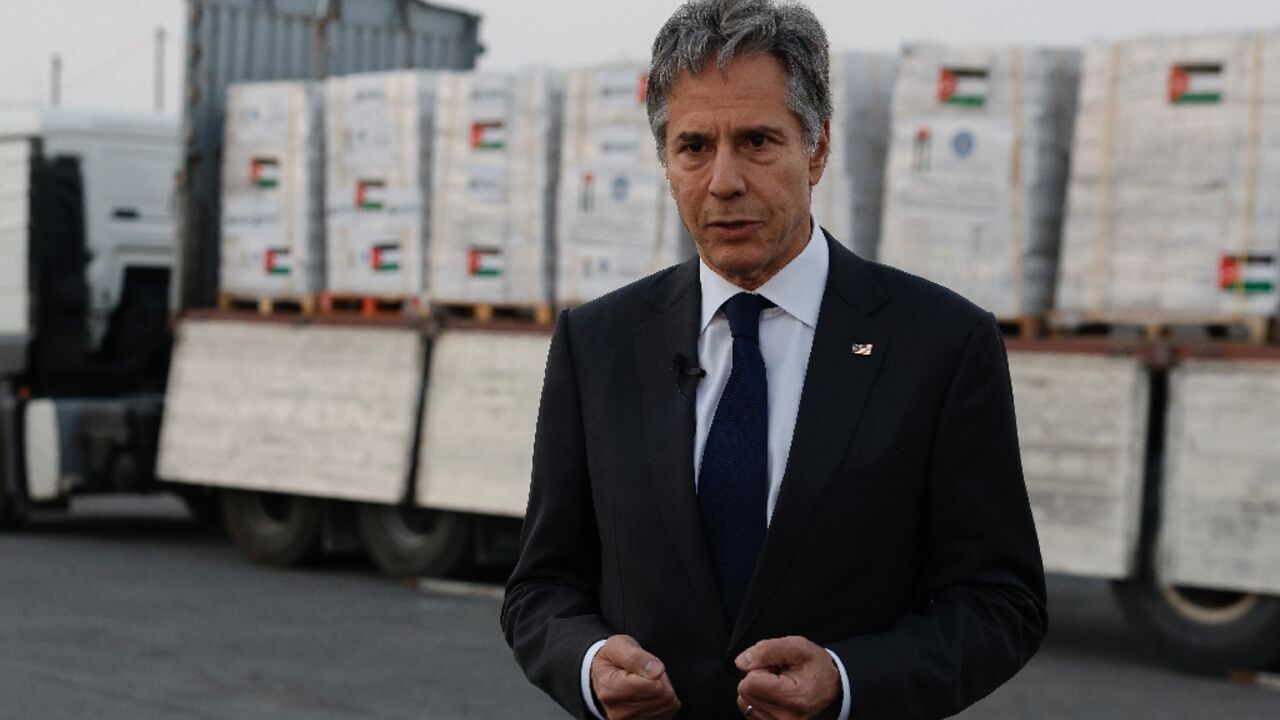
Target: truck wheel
{"type": "Point", "coordinates": [1201, 630]}
{"type": "Point", "coordinates": [271, 528]}
{"type": "Point", "coordinates": [405, 541]}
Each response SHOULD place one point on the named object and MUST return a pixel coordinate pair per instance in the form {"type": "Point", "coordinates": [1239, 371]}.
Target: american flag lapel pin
{"type": "Point", "coordinates": [862, 349]}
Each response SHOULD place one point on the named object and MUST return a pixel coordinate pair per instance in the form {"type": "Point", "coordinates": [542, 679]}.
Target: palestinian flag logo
{"type": "Point", "coordinates": [1248, 274]}
{"type": "Point", "coordinates": [264, 172]}
{"type": "Point", "coordinates": [967, 87]}
{"type": "Point", "coordinates": [1195, 84]}
{"type": "Point", "coordinates": [385, 257]}
{"type": "Point", "coordinates": [371, 194]}
{"type": "Point", "coordinates": [276, 261]}
{"type": "Point", "coordinates": [484, 262]}
{"type": "Point", "coordinates": [488, 135]}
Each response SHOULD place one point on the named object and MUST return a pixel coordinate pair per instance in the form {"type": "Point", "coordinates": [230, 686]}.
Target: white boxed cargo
{"type": "Point", "coordinates": [301, 409]}
{"type": "Point", "coordinates": [977, 170]}
{"type": "Point", "coordinates": [616, 219]}
{"type": "Point", "coordinates": [379, 128]}
{"type": "Point", "coordinates": [1172, 209]}
{"type": "Point", "coordinates": [848, 200]}
{"type": "Point", "coordinates": [272, 188]}
{"type": "Point", "coordinates": [1082, 429]}
{"type": "Point", "coordinates": [1219, 525]}
{"type": "Point", "coordinates": [496, 151]}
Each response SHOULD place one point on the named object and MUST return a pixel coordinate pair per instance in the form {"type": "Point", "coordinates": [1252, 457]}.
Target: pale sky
{"type": "Point", "coordinates": [108, 46]}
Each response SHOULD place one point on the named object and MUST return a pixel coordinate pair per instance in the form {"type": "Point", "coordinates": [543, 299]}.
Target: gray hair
{"type": "Point", "coordinates": [728, 28]}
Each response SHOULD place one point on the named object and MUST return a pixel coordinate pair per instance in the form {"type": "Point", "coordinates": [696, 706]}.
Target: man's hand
{"type": "Point", "coordinates": [631, 683]}
{"type": "Point", "coordinates": [787, 678]}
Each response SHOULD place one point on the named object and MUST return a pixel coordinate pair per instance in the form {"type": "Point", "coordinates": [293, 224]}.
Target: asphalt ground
{"type": "Point", "coordinates": [124, 608]}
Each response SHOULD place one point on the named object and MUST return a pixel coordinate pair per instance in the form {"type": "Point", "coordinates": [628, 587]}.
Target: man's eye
{"type": "Point", "coordinates": [695, 147]}
{"type": "Point", "coordinates": [757, 140]}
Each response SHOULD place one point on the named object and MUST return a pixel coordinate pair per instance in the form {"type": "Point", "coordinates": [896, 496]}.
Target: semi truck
{"type": "Point", "coordinates": [1150, 460]}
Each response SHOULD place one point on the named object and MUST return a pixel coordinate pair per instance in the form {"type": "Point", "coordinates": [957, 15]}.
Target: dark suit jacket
{"type": "Point", "coordinates": [902, 538]}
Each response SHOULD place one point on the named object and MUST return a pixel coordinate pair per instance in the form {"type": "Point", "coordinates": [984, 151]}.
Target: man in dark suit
{"type": "Point", "coordinates": [777, 480]}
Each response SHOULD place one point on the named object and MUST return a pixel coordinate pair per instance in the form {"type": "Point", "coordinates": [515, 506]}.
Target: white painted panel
{"type": "Point", "coordinates": [480, 418]}
{"type": "Point", "coordinates": [1221, 512]}
{"type": "Point", "coordinates": [1082, 426]}
{"type": "Point", "coordinates": [15, 174]}
{"type": "Point", "coordinates": [303, 409]}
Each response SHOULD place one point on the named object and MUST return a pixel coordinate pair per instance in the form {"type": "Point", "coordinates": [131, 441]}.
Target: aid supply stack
{"type": "Point", "coordinates": [378, 170]}
{"type": "Point", "coordinates": [977, 166]}
{"type": "Point", "coordinates": [616, 219]}
{"type": "Point", "coordinates": [1173, 212]}
{"type": "Point", "coordinates": [496, 146]}
{"type": "Point", "coordinates": [272, 239]}
{"type": "Point", "coordinates": [848, 200]}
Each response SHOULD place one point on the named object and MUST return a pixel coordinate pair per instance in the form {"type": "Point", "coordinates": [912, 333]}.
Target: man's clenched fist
{"type": "Point", "coordinates": [787, 678]}
{"type": "Point", "coordinates": [631, 683]}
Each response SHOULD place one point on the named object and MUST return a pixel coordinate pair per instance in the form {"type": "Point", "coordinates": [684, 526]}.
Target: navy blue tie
{"type": "Point", "coordinates": [733, 482]}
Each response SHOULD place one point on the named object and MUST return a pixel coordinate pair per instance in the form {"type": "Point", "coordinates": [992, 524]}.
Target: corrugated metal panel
{"type": "Point", "coordinates": [246, 40]}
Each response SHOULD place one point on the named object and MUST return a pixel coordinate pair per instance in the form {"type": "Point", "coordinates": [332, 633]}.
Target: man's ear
{"type": "Point", "coordinates": [818, 160]}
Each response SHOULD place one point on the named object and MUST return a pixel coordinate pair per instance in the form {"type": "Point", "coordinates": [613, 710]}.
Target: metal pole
{"type": "Point", "coordinates": [160, 70]}
{"type": "Point", "coordinates": [55, 82]}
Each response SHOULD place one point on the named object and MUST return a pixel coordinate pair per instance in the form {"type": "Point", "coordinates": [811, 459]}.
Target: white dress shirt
{"type": "Point", "coordinates": [786, 338]}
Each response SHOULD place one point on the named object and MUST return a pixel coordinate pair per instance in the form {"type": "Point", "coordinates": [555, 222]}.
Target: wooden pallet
{"type": "Point", "coordinates": [1023, 327]}
{"type": "Point", "coordinates": [369, 305]}
{"type": "Point", "coordinates": [539, 314]}
{"type": "Point", "coordinates": [267, 305]}
{"type": "Point", "coordinates": [1253, 330]}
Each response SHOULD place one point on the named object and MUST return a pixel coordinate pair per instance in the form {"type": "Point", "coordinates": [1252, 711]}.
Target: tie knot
{"type": "Point", "coordinates": [743, 311]}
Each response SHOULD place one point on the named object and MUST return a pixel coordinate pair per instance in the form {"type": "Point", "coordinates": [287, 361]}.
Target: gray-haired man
{"type": "Point", "coordinates": [777, 480]}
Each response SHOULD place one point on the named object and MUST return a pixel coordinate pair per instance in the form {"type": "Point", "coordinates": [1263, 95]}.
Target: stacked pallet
{"type": "Point", "coordinates": [1172, 212]}
{"type": "Point", "coordinates": [379, 129]}
{"type": "Point", "coordinates": [616, 219]}
{"type": "Point", "coordinates": [496, 143]}
{"type": "Point", "coordinates": [272, 234]}
{"type": "Point", "coordinates": [977, 166]}
{"type": "Point", "coordinates": [848, 200]}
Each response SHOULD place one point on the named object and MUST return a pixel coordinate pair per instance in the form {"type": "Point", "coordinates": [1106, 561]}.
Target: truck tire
{"type": "Point", "coordinates": [1204, 631]}
{"type": "Point", "coordinates": [408, 541]}
{"type": "Point", "coordinates": [270, 528]}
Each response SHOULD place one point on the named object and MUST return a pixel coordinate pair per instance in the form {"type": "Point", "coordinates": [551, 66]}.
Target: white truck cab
{"type": "Point", "coordinates": [87, 235]}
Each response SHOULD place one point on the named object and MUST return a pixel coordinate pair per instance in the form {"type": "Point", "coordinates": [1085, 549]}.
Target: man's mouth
{"type": "Point", "coordinates": [733, 224]}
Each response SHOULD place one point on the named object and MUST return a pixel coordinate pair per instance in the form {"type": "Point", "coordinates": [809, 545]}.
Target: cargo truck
{"type": "Point", "coordinates": [1150, 462]}
{"type": "Point", "coordinates": [109, 240]}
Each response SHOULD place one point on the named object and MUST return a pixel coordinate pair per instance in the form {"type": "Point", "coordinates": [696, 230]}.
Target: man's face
{"type": "Point", "coordinates": [738, 168]}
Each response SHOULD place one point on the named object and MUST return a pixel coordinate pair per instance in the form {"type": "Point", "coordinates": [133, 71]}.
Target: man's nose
{"type": "Point", "coordinates": [727, 179]}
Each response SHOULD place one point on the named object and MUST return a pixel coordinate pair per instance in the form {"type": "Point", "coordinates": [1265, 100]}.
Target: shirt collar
{"type": "Point", "coordinates": [797, 288]}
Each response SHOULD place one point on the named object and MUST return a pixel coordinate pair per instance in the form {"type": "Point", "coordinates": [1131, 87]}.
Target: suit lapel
{"type": "Point", "coordinates": [669, 423]}
{"type": "Point", "coordinates": [836, 387]}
